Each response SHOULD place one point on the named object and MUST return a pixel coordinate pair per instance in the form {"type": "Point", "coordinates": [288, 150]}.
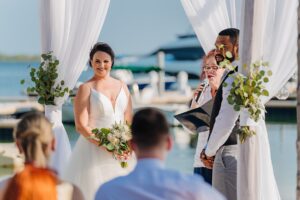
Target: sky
{"type": "Point", "coordinates": [133, 27]}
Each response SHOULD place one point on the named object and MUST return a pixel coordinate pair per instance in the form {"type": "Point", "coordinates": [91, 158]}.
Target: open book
{"type": "Point", "coordinates": [197, 119]}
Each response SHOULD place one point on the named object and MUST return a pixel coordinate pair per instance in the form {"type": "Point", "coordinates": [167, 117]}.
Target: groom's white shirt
{"type": "Point", "coordinates": [151, 181]}
{"type": "Point", "coordinates": [225, 122]}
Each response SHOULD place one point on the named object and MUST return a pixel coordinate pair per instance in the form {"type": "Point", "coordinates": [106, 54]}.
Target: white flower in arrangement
{"type": "Point", "coordinates": [115, 141]}
{"type": "Point", "coordinates": [110, 137]}
{"type": "Point", "coordinates": [127, 130]}
{"type": "Point", "coordinates": [126, 136]}
{"type": "Point", "coordinates": [117, 133]}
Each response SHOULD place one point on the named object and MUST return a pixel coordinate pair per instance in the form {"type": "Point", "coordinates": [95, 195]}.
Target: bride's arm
{"type": "Point", "coordinates": [128, 112]}
{"type": "Point", "coordinates": [81, 114]}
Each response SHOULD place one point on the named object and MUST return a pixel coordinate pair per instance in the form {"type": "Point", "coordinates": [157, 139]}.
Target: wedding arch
{"type": "Point", "coordinates": [269, 33]}
{"type": "Point", "coordinates": [69, 28]}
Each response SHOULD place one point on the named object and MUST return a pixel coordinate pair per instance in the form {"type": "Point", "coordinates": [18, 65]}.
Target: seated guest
{"type": "Point", "coordinates": [32, 183]}
{"type": "Point", "coordinates": [213, 73]}
{"type": "Point", "coordinates": [35, 140]}
{"type": "Point", "coordinates": [150, 180]}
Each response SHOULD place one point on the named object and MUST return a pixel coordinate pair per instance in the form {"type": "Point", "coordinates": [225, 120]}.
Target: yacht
{"type": "Point", "coordinates": [183, 54]}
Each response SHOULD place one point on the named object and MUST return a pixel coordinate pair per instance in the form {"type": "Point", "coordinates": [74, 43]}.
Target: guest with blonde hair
{"type": "Point", "coordinates": [35, 141]}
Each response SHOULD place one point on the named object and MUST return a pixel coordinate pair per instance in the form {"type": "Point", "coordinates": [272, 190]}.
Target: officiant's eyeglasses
{"type": "Point", "coordinates": [212, 67]}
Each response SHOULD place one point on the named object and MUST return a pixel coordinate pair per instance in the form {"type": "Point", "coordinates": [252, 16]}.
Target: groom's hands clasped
{"type": "Point", "coordinates": [207, 161]}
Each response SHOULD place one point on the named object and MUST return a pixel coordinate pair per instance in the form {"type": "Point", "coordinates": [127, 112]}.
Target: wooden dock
{"type": "Point", "coordinates": [10, 159]}
{"type": "Point", "coordinates": [11, 108]}
{"type": "Point", "coordinates": [282, 104]}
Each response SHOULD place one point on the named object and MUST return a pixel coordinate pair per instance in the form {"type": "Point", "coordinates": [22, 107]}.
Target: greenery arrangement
{"type": "Point", "coordinates": [245, 92]}
{"type": "Point", "coordinates": [44, 81]}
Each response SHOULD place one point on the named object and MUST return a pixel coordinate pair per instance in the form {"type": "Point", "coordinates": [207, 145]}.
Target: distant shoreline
{"type": "Point", "coordinates": [19, 57]}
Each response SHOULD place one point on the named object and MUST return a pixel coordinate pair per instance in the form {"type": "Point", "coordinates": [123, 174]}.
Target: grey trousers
{"type": "Point", "coordinates": [224, 171]}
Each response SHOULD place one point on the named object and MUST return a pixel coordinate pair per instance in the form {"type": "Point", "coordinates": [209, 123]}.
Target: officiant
{"type": "Point", "coordinates": [207, 89]}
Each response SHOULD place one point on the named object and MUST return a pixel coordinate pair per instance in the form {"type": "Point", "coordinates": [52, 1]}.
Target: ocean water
{"type": "Point", "coordinates": [282, 135]}
{"type": "Point", "coordinates": [12, 72]}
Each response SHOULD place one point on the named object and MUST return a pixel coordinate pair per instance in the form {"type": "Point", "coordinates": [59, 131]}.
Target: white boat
{"type": "Point", "coordinates": [183, 54]}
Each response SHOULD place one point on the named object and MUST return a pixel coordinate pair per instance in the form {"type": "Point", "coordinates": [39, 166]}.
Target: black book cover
{"type": "Point", "coordinates": [197, 119]}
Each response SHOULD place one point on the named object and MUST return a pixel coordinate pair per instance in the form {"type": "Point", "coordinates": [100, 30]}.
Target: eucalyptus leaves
{"type": "Point", "coordinates": [246, 91]}
{"type": "Point", "coordinates": [44, 81]}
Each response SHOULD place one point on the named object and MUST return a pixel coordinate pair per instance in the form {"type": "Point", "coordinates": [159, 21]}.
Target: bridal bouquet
{"type": "Point", "coordinates": [115, 140]}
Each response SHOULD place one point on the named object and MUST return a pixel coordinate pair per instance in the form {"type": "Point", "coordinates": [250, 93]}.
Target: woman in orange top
{"type": "Point", "coordinates": [35, 140]}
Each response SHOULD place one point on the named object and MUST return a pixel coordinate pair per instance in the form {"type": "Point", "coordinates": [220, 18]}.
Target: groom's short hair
{"type": "Point", "coordinates": [149, 127]}
{"type": "Point", "coordinates": [233, 33]}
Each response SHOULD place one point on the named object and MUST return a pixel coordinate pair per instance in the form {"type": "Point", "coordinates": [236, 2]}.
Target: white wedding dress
{"type": "Point", "coordinates": [90, 166]}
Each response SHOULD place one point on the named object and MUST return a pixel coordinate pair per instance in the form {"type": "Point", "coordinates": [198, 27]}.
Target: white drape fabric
{"type": "Point", "coordinates": [273, 39]}
{"type": "Point", "coordinates": [209, 17]}
{"type": "Point", "coordinates": [69, 28]}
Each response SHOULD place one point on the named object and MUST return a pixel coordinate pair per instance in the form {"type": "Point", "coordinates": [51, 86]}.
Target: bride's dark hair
{"type": "Point", "coordinates": [101, 46]}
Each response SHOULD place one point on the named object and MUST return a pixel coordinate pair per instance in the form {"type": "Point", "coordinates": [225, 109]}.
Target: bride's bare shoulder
{"type": "Point", "coordinates": [85, 88]}
{"type": "Point", "coordinates": [123, 85]}
{"type": "Point", "coordinates": [115, 81]}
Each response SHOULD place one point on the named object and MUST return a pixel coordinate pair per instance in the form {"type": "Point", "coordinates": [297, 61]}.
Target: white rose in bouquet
{"type": "Point", "coordinates": [117, 133]}
{"type": "Point", "coordinates": [126, 136]}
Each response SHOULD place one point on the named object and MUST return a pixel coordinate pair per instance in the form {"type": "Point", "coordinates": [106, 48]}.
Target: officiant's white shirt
{"type": "Point", "coordinates": [225, 121]}
{"type": "Point", "coordinates": [202, 136]}
{"type": "Point", "coordinates": [151, 181]}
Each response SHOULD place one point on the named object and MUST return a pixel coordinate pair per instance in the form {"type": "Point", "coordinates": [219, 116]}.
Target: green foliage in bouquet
{"type": "Point", "coordinates": [115, 140]}
{"type": "Point", "coordinates": [44, 79]}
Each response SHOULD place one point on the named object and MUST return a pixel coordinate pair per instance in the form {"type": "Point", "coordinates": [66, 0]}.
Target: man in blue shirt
{"type": "Point", "coordinates": [150, 180]}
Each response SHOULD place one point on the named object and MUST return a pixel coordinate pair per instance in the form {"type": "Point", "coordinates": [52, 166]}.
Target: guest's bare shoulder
{"type": "Point", "coordinates": [66, 189]}
{"type": "Point", "coordinates": [3, 187]}
{"type": "Point", "coordinates": [77, 194]}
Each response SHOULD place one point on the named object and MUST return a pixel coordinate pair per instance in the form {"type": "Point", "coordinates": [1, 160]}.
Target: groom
{"type": "Point", "coordinates": [221, 149]}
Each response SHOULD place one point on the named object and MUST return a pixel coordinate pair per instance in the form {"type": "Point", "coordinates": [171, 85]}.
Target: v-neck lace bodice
{"type": "Point", "coordinates": [102, 112]}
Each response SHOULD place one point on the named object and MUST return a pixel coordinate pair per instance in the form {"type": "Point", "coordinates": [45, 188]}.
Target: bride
{"type": "Point", "coordinates": [99, 103]}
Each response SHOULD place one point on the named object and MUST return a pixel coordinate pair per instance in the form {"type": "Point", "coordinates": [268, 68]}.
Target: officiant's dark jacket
{"type": "Point", "coordinates": [232, 140]}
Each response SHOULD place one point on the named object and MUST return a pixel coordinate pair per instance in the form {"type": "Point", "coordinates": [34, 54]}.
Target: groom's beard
{"type": "Point", "coordinates": [219, 58]}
